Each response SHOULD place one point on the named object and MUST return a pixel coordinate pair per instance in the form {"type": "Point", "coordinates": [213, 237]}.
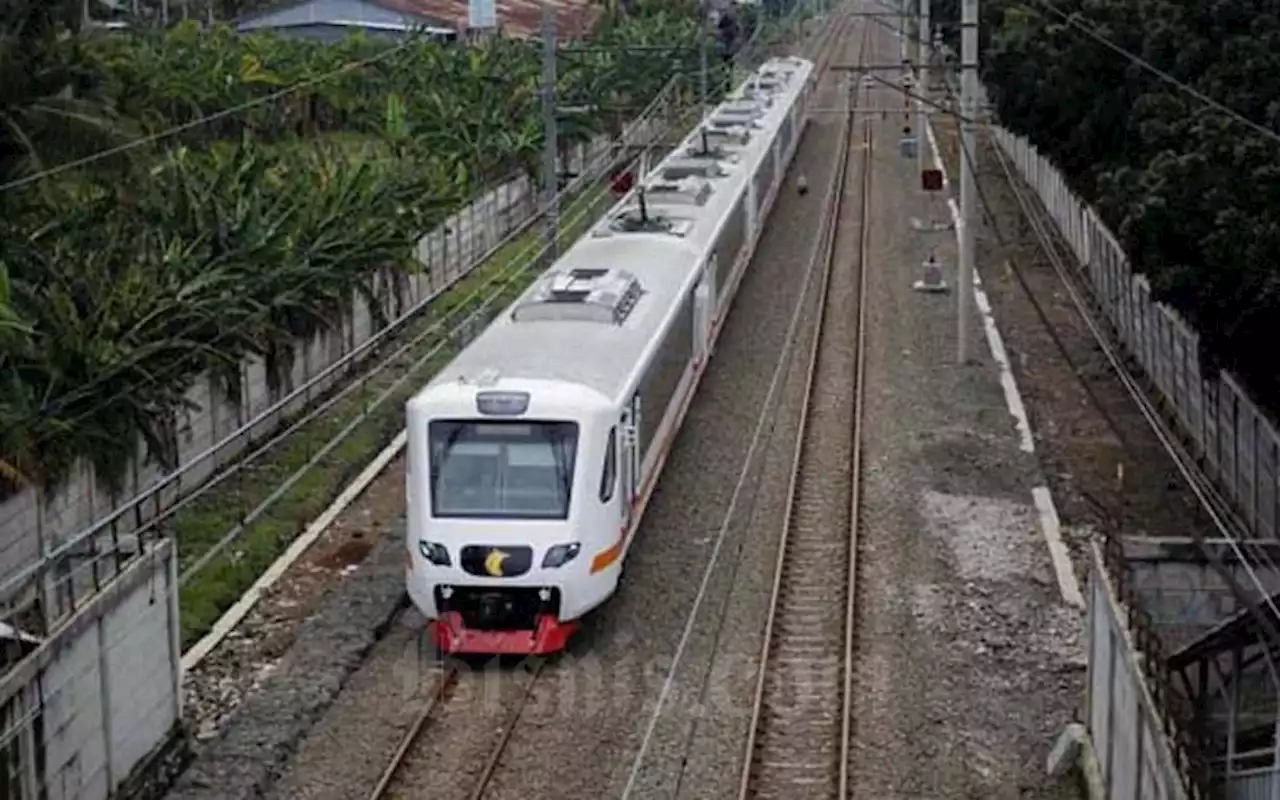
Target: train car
{"type": "Point", "coordinates": [532, 455]}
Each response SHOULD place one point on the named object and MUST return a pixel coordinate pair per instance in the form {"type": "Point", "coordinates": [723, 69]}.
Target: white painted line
{"type": "Point", "coordinates": [1051, 526]}
{"type": "Point", "coordinates": [249, 599]}
{"type": "Point", "coordinates": [1041, 497]}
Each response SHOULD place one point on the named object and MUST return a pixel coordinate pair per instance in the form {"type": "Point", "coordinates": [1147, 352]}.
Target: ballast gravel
{"type": "Point", "coordinates": [249, 754]}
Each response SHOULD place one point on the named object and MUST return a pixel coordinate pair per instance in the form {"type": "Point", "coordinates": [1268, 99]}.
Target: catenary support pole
{"type": "Point", "coordinates": [968, 190]}
{"type": "Point", "coordinates": [551, 182]}
{"type": "Point", "coordinates": [923, 54]}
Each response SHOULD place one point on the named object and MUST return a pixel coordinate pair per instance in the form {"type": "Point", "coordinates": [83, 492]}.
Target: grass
{"type": "Point", "coordinates": [197, 529]}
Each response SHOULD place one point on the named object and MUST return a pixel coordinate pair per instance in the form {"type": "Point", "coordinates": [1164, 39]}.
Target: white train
{"type": "Point", "coordinates": [532, 455]}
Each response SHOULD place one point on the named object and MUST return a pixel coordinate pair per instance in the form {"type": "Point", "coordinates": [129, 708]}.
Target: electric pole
{"type": "Point", "coordinates": [923, 54]}
{"type": "Point", "coordinates": [551, 188]}
{"type": "Point", "coordinates": [968, 189]}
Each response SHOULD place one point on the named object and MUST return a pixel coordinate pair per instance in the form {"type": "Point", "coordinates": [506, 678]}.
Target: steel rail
{"type": "Point", "coordinates": [855, 469]}
{"type": "Point", "coordinates": [834, 207]}
{"type": "Point", "coordinates": [440, 695]}
{"type": "Point", "coordinates": [500, 747]}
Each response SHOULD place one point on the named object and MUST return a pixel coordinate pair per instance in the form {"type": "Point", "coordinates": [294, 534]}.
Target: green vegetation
{"type": "Point", "coordinates": [1193, 195]}
{"type": "Point", "coordinates": [130, 276]}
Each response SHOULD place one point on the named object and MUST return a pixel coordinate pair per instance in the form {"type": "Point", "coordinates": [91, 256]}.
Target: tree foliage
{"type": "Point", "coordinates": [123, 279]}
{"type": "Point", "coordinates": [1193, 195]}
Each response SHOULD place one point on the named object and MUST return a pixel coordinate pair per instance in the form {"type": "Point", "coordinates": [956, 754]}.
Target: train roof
{"type": "Point", "coordinates": [594, 316]}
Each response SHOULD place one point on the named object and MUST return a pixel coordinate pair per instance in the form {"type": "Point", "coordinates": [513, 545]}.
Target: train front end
{"type": "Point", "coordinates": [503, 544]}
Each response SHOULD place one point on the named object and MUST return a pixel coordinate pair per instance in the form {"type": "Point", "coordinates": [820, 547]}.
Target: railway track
{"type": "Point", "coordinates": [798, 744]}
{"type": "Point", "coordinates": [498, 715]}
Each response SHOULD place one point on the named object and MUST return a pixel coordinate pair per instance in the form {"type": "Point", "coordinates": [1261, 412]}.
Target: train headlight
{"type": "Point", "coordinates": [561, 554]}
{"type": "Point", "coordinates": [435, 553]}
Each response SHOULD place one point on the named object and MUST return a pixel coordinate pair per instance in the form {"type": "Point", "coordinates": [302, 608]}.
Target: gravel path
{"type": "Point", "coordinates": [1088, 431]}
{"type": "Point", "coordinates": [969, 663]}
{"type": "Point", "coordinates": [256, 648]}
{"type": "Point", "coordinates": [285, 699]}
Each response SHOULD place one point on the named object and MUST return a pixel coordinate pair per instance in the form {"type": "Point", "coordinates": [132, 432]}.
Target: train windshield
{"type": "Point", "coordinates": [502, 469]}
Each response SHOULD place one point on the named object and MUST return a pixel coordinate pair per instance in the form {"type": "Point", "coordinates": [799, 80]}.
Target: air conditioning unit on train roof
{"type": "Point", "coordinates": [581, 295]}
{"type": "Point", "coordinates": [687, 191]}
{"type": "Point", "coordinates": [773, 79]}
{"type": "Point", "coordinates": [707, 146]}
{"type": "Point", "coordinates": [705, 166]}
{"type": "Point", "coordinates": [728, 132]}
{"type": "Point", "coordinates": [745, 107]}
{"type": "Point", "coordinates": [635, 219]}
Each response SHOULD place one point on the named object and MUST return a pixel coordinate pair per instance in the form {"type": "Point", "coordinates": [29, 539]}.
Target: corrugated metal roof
{"type": "Point", "coordinates": [574, 18]}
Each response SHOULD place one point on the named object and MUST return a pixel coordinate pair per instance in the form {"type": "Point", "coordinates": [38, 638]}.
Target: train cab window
{"type": "Point", "coordinates": [503, 469]}
{"type": "Point", "coordinates": [610, 475]}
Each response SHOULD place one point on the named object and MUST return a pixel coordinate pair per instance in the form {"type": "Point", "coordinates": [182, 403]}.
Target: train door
{"type": "Point", "coordinates": [703, 308]}
{"type": "Point", "coordinates": [629, 463]}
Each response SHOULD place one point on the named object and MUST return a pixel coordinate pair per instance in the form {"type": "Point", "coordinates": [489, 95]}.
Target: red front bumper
{"type": "Point", "coordinates": [549, 635]}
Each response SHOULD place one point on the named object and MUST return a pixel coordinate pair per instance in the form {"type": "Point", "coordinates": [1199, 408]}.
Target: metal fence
{"type": "Point", "coordinates": [1236, 442]}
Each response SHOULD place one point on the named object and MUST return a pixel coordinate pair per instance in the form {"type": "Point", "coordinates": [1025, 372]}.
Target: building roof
{"type": "Point", "coordinates": [574, 18]}
{"type": "Point", "coordinates": [369, 14]}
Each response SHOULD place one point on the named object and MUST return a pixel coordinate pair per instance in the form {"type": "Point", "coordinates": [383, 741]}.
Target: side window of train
{"type": "Point", "coordinates": [610, 475]}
